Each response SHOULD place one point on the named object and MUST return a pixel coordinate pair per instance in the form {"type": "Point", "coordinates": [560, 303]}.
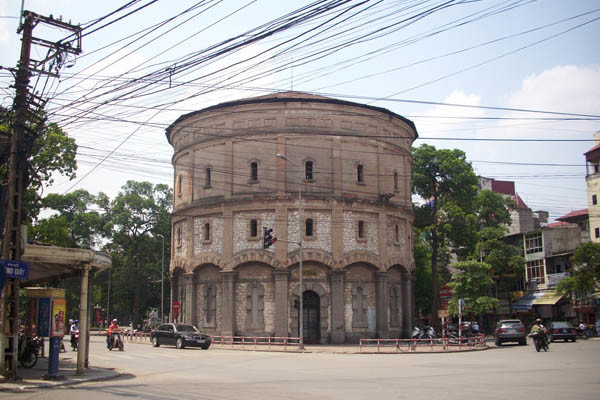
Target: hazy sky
{"type": "Point", "coordinates": [528, 55]}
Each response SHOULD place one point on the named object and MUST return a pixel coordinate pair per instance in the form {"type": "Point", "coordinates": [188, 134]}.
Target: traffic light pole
{"type": "Point", "coordinates": [299, 243]}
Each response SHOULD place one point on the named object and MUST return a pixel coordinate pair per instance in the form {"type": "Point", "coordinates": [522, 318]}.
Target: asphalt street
{"type": "Point", "coordinates": [567, 371]}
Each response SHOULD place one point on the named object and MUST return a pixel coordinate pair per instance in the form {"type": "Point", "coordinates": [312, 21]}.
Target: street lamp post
{"type": "Point", "coordinates": [162, 281]}
{"type": "Point", "coordinates": [299, 243]}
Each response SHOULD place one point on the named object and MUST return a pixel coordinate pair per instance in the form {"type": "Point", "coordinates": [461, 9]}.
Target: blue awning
{"type": "Point", "coordinates": [526, 302]}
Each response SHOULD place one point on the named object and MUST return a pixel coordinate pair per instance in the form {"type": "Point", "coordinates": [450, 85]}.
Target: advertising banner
{"type": "Point", "coordinates": [43, 317]}
{"type": "Point", "coordinates": [59, 307]}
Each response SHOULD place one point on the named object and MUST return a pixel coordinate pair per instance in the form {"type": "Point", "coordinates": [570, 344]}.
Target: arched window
{"type": "Point", "coordinates": [361, 229]}
{"type": "Point", "coordinates": [395, 181]}
{"type": "Point", "coordinates": [308, 170]}
{"type": "Point", "coordinates": [179, 185]}
{"type": "Point", "coordinates": [206, 232]}
{"type": "Point", "coordinates": [309, 227]}
{"type": "Point", "coordinates": [360, 173]}
{"type": "Point", "coordinates": [207, 177]}
{"type": "Point", "coordinates": [254, 171]}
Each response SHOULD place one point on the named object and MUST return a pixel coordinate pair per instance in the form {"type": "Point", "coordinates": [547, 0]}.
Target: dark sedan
{"type": "Point", "coordinates": [180, 336]}
{"type": "Point", "coordinates": [562, 330]}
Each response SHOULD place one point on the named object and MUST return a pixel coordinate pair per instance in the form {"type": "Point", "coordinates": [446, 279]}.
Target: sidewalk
{"type": "Point", "coordinates": [34, 378]}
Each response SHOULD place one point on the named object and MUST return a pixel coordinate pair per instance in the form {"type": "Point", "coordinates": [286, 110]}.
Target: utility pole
{"type": "Point", "coordinates": [26, 113]}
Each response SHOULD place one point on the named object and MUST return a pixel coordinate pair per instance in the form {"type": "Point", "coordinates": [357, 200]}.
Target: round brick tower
{"type": "Point", "coordinates": [331, 175]}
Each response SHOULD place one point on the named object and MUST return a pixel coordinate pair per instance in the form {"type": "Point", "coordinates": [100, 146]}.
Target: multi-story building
{"type": "Point", "coordinates": [592, 178]}
{"type": "Point", "coordinates": [547, 249]}
{"type": "Point", "coordinates": [328, 175]}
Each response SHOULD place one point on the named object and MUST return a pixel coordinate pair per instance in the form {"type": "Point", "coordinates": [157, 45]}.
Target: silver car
{"type": "Point", "coordinates": [510, 330]}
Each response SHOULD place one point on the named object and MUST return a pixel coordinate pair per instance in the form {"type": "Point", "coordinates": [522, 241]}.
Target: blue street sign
{"type": "Point", "coordinates": [16, 269]}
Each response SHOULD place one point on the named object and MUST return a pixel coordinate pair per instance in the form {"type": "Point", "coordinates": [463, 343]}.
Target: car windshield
{"type": "Point", "coordinates": [561, 324]}
{"type": "Point", "coordinates": [511, 324]}
{"type": "Point", "coordinates": [186, 328]}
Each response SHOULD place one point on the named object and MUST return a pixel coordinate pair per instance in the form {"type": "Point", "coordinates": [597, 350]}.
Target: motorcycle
{"type": "Point", "coordinates": [540, 341]}
{"type": "Point", "coordinates": [582, 334]}
{"type": "Point", "coordinates": [74, 340]}
{"type": "Point", "coordinates": [417, 333]}
{"type": "Point", "coordinates": [115, 340]}
{"type": "Point", "coordinates": [28, 351]}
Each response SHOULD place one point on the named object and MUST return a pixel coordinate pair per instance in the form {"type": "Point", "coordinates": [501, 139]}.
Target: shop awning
{"type": "Point", "coordinates": [526, 302]}
{"type": "Point", "coordinates": [548, 299]}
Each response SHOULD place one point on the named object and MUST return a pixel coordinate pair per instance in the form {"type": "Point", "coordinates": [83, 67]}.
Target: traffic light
{"type": "Point", "coordinates": [268, 238]}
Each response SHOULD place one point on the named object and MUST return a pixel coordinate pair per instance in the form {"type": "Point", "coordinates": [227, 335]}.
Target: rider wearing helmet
{"type": "Point", "coordinates": [74, 329]}
{"type": "Point", "coordinates": [539, 328]}
{"type": "Point", "coordinates": [113, 329]}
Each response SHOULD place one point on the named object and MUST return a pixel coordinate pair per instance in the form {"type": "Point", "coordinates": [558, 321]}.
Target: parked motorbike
{"type": "Point", "coordinates": [540, 341]}
{"type": "Point", "coordinates": [115, 341]}
{"type": "Point", "coordinates": [417, 333]}
{"type": "Point", "coordinates": [427, 333]}
{"type": "Point", "coordinates": [28, 351]}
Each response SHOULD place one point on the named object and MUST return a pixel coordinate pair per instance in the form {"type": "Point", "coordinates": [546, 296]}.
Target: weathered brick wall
{"type": "Point", "coordinates": [365, 276]}
{"type": "Point", "coordinates": [264, 275]}
{"type": "Point", "coordinates": [241, 229]}
{"type": "Point", "coordinates": [396, 247]}
{"type": "Point", "coordinates": [351, 241]}
{"type": "Point", "coordinates": [181, 245]}
{"type": "Point", "coordinates": [215, 242]}
{"type": "Point", "coordinates": [321, 239]}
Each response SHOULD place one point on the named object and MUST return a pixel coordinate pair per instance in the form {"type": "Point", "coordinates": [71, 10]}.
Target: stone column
{"type": "Point", "coordinates": [281, 303]}
{"type": "Point", "coordinates": [407, 306]}
{"type": "Point", "coordinates": [228, 303]}
{"type": "Point", "coordinates": [190, 299]}
{"type": "Point", "coordinates": [381, 305]}
{"type": "Point", "coordinates": [338, 332]}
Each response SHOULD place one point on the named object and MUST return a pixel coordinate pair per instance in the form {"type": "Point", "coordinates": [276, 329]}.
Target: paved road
{"type": "Point", "coordinates": [568, 371]}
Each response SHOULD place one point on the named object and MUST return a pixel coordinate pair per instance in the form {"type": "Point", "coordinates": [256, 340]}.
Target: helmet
{"type": "Point", "coordinates": [114, 320]}
{"type": "Point", "coordinates": [76, 321]}
{"type": "Point", "coordinates": [539, 320]}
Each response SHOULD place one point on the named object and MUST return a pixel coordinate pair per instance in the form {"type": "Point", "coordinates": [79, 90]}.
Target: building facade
{"type": "Point", "coordinates": [331, 175]}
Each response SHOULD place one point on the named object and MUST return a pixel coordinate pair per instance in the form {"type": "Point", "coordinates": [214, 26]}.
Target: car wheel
{"type": "Point", "coordinates": [155, 342]}
{"type": "Point", "coordinates": [498, 343]}
{"type": "Point", "coordinates": [573, 340]}
{"type": "Point", "coordinates": [523, 342]}
{"type": "Point", "coordinates": [180, 344]}
{"type": "Point", "coordinates": [205, 347]}
{"type": "Point", "coordinates": [566, 340]}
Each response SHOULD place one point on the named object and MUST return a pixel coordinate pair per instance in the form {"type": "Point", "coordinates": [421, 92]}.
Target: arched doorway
{"type": "Point", "coordinates": [311, 310]}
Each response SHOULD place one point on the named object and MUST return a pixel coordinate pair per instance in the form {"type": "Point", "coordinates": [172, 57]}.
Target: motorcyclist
{"type": "Point", "coordinates": [581, 328]}
{"type": "Point", "coordinates": [74, 331]}
{"type": "Point", "coordinates": [538, 328]}
{"type": "Point", "coordinates": [113, 329]}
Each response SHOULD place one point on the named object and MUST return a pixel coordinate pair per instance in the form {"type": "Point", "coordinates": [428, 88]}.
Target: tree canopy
{"type": "Point", "coordinates": [585, 273]}
{"type": "Point", "coordinates": [473, 283]}
{"type": "Point", "coordinates": [448, 185]}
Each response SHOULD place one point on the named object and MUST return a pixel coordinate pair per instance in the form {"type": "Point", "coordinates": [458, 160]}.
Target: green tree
{"type": "Point", "coordinates": [422, 274]}
{"type": "Point", "coordinates": [74, 222]}
{"type": "Point", "coordinates": [52, 152]}
{"type": "Point", "coordinates": [473, 283]}
{"type": "Point", "coordinates": [136, 218]}
{"type": "Point", "coordinates": [446, 181]}
{"type": "Point", "coordinates": [507, 261]}
{"type": "Point", "coordinates": [585, 273]}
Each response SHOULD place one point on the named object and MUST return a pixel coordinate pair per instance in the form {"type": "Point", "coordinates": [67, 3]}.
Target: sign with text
{"type": "Point", "coordinates": [16, 269]}
{"type": "Point", "coordinates": [176, 307]}
{"type": "Point", "coordinates": [445, 293]}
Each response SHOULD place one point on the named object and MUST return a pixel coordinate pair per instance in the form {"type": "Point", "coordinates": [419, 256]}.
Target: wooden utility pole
{"type": "Point", "coordinates": [25, 111]}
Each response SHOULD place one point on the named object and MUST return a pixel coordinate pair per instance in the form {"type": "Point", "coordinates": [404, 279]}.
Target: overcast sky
{"type": "Point", "coordinates": [522, 55]}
